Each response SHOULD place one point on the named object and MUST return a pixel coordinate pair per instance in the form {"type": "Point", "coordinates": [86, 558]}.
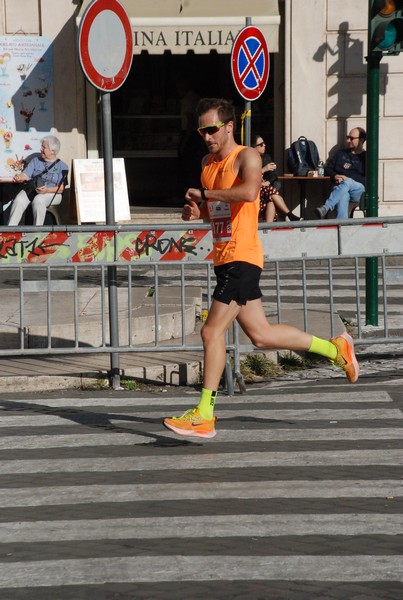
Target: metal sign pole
{"type": "Point", "coordinates": [372, 158]}
{"type": "Point", "coordinates": [371, 273]}
{"type": "Point", "coordinates": [110, 220]}
{"type": "Point", "coordinates": [248, 124]}
{"type": "Point", "coordinates": [248, 106]}
{"type": "Point", "coordinates": [105, 45]}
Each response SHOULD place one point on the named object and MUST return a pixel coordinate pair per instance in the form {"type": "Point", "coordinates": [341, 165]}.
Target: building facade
{"type": "Point", "coordinates": [317, 85]}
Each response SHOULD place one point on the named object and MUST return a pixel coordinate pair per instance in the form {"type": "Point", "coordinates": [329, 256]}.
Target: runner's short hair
{"type": "Point", "coordinates": [225, 109]}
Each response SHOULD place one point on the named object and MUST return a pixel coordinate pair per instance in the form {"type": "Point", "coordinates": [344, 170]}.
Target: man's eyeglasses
{"type": "Point", "coordinates": [259, 145]}
{"type": "Point", "coordinates": [210, 129]}
{"type": "Point", "coordinates": [350, 137]}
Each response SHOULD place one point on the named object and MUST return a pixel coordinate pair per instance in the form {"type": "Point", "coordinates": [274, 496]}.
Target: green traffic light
{"type": "Point", "coordinates": [389, 38]}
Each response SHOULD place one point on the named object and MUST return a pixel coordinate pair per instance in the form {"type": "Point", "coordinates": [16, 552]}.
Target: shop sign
{"type": "Point", "coordinates": [200, 40]}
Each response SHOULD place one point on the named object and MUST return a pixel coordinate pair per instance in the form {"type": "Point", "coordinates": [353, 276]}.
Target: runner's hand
{"type": "Point", "coordinates": [190, 211]}
{"type": "Point", "coordinates": [194, 195]}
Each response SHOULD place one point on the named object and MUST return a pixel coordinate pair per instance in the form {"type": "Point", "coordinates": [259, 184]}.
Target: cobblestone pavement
{"type": "Point", "coordinates": [299, 496]}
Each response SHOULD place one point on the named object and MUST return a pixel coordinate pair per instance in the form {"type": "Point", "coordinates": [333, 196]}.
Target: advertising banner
{"type": "Point", "coordinates": [26, 99]}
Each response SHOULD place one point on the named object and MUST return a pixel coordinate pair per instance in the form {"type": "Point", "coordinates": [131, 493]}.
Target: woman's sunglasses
{"type": "Point", "coordinates": [210, 129]}
{"type": "Point", "coordinates": [260, 145]}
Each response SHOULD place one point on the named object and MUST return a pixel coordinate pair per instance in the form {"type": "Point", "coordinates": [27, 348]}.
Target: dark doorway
{"type": "Point", "coordinates": [148, 121]}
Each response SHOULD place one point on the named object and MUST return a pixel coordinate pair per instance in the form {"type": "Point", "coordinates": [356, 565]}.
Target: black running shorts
{"type": "Point", "coordinates": [237, 281]}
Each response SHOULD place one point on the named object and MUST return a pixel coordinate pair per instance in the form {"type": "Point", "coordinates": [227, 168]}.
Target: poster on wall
{"type": "Point", "coordinates": [90, 190]}
{"type": "Point", "coordinates": [26, 99]}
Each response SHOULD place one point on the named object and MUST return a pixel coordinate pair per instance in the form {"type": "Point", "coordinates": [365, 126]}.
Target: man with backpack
{"type": "Point", "coordinates": [347, 170]}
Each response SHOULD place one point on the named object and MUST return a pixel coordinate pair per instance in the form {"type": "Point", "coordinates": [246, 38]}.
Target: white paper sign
{"type": "Point", "coordinates": [90, 190]}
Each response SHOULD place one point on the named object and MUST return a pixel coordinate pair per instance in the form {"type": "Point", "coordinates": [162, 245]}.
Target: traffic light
{"type": "Point", "coordinates": [386, 26]}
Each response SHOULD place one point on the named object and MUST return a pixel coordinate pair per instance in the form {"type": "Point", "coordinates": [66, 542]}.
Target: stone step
{"type": "Point", "coordinates": [150, 215]}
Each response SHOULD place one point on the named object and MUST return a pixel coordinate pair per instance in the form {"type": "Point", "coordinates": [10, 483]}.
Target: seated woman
{"type": "Point", "coordinates": [54, 175]}
{"type": "Point", "coordinates": [270, 199]}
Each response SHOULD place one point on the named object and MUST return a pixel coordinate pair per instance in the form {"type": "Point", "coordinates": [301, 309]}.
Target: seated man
{"type": "Point", "coordinates": [347, 169]}
{"type": "Point", "coordinates": [53, 173]}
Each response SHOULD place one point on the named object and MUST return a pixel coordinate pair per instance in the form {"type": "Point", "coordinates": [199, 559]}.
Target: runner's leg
{"type": "Point", "coordinates": [220, 317]}
{"type": "Point", "coordinates": [253, 321]}
{"type": "Point", "coordinates": [200, 421]}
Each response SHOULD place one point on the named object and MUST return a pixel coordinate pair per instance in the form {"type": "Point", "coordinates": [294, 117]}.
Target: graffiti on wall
{"type": "Point", "coordinates": [104, 246]}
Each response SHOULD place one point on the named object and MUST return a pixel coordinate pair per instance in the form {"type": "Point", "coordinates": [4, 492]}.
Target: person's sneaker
{"type": "Point", "coordinates": [192, 424]}
{"type": "Point", "coordinates": [346, 357]}
{"type": "Point", "coordinates": [321, 211]}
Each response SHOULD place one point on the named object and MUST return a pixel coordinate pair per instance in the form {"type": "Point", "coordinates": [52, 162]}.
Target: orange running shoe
{"type": "Point", "coordinates": [346, 357]}
{"type": "Point", "coordinates": [192, 424]}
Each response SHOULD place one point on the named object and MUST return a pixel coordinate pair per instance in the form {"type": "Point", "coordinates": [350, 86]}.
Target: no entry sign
{"type": "Point", "coordinates": [105, 44]}
{"type": "Point", "coordinates": [250, 63]}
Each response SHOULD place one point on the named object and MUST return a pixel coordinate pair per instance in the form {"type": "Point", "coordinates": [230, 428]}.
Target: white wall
{"type": "Point", "coordinates": [324, 79]}
{"type": "Point", "coordinates": [326, 86]}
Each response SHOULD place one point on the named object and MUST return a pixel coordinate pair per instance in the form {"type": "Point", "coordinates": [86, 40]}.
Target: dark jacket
{"type": "Point", "coordinates": [270, 176]}
{"type": "Point", "coordinates": [344, 162]}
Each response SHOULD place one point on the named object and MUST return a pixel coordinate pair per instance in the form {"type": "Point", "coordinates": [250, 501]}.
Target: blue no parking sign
{"type": "Point", "coordinates": [250, 63]}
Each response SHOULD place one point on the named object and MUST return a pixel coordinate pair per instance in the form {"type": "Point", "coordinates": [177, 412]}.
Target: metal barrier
{"type": "Point", "coordinates": [69, 260]}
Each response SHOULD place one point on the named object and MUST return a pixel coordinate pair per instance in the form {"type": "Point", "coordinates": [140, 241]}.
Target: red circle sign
{"type": "Point", "coordinates": [250, 63]}
{"type": "Point", "coordinates": [105, 43]}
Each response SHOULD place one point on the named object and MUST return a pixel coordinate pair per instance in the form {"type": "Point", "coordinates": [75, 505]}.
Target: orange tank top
{"type": "Point", "coordinates": [234, 224]}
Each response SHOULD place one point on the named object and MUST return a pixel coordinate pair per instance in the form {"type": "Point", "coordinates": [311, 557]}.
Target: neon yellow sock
{"type": "Point", "coordinates": [323, 347]}
{"type": "Point", "coordinates": [206, 403]}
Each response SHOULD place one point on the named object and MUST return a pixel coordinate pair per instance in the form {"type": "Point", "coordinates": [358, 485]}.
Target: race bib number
{"type": "Point", "coordinates": [220, 217]}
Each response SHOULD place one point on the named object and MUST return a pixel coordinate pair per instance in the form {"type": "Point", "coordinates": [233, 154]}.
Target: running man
{"type": "Point", "coordinates": [231, 178]}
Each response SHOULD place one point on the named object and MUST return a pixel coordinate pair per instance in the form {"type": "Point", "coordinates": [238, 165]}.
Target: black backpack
{"type": "Point", "coordinates": [302, 156]}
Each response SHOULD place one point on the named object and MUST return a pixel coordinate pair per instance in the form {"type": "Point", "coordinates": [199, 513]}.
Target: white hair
{"type": "Point", "coordinates": [53, 143]}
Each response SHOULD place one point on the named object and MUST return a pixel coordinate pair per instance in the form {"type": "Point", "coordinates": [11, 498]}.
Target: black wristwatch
{"type": "Point", "coordinates": [202, 191]}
